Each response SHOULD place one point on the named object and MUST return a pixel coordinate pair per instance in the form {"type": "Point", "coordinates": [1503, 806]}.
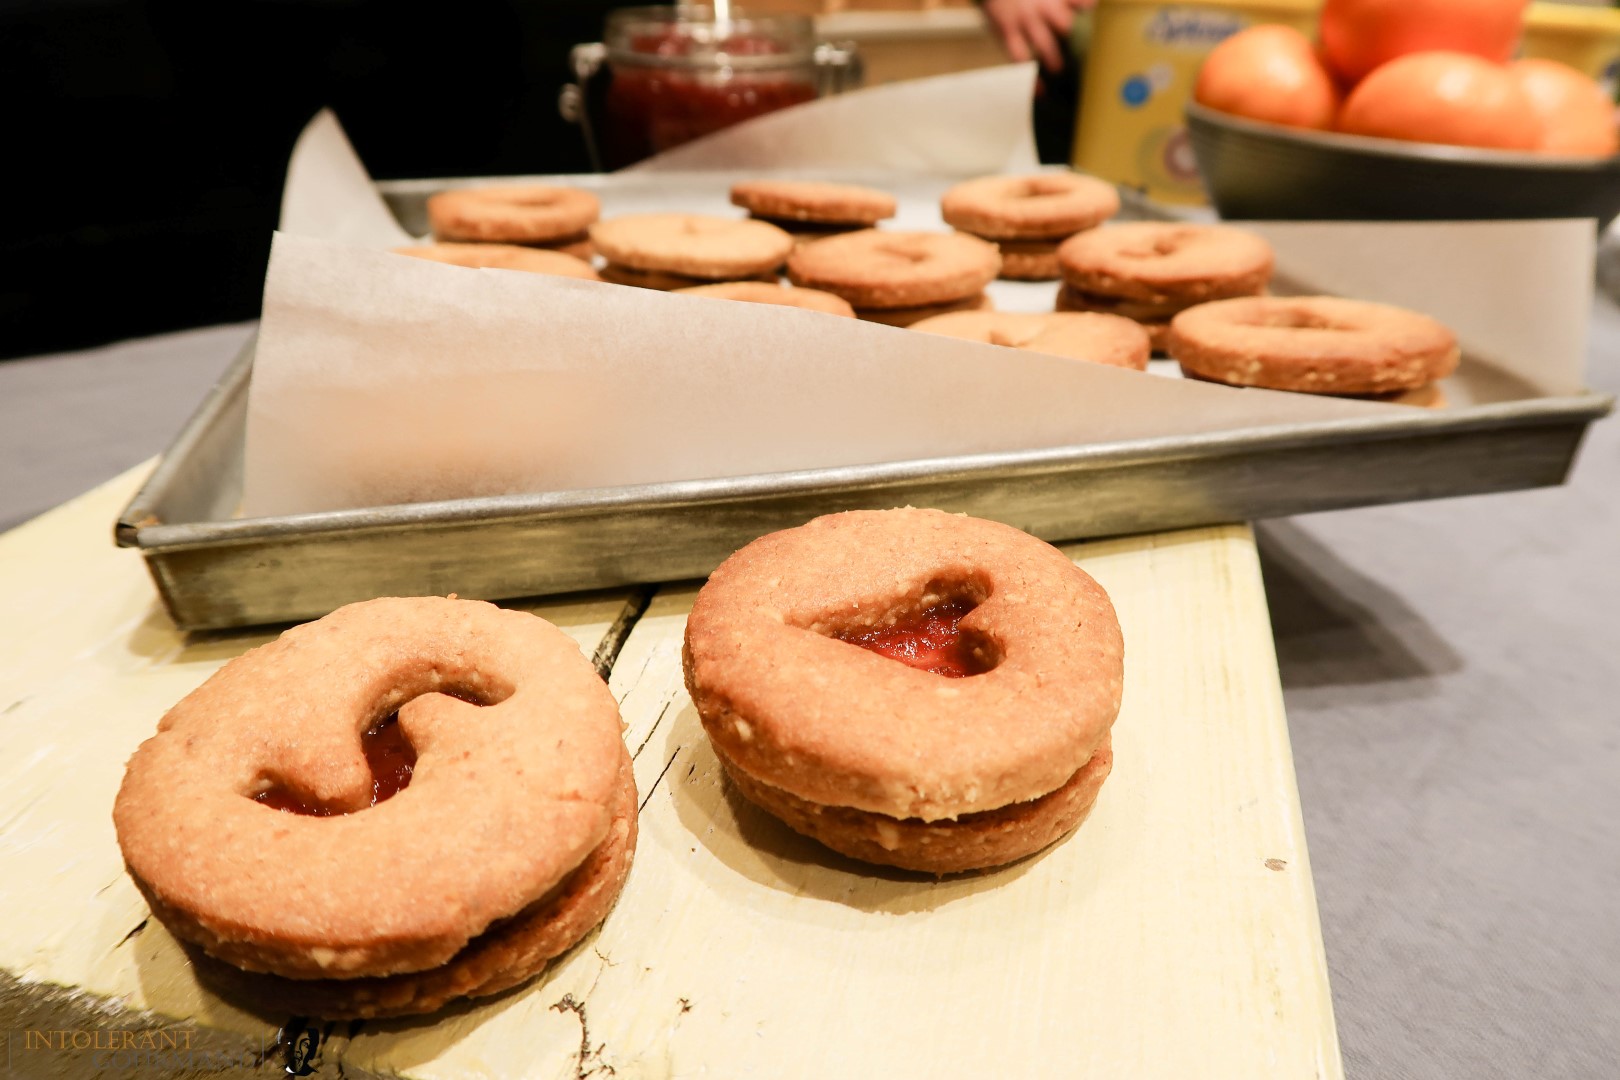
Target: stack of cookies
{"type": "Point", "coordinates": [678, 251]}
{"type": "Point", "coordinates": [813, 210]}
{"type": "Point", "coordinates": [1151, 271]}
{"type": "Point", "coordinates": [1027, 217]}
{"type": "Point", "coordinates": [899, 278]}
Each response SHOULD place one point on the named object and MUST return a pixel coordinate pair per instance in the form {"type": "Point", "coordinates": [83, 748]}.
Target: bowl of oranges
{"type": "Point", "coordinates": [1402, 110]}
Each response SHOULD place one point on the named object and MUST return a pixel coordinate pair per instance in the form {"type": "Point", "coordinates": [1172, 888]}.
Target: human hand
{"type": "Point", "coordinates": [1033, 28]}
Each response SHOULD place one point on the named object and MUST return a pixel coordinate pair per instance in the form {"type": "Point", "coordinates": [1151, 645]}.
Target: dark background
{"type": "Point", "coordinates": [145, 143]}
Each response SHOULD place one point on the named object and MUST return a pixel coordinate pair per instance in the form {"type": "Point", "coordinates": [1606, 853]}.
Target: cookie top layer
{"type": "Point", "coordinates": [503, 257]}
{"type": "Point", "coordinates": [1101, 339]}
{"type": "Point", "coordinates": [695, 245]}
{"type": "Point", "coordinates": [1322, 344]}
{"type": "Point", "coordinates": [838, 725]}
{"type": "Point", "coordinates": [759, 292]}
{"type": "Point", "coordinates": [516, 214]}
{"type": "Point", "coordinates": [873, 269]}
{"type": "Point", "coordinates": [814, 201]}
{"type": "Point", "coordinates": [506, 800]}
{"type": "Point", "coordinates": [1163, 262]}
{"type": "Point", "coordinates": [1037, 207]}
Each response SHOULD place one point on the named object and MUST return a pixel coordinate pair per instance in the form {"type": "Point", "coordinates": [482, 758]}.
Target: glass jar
{"type": "Point", "coordinates": [668, 75]}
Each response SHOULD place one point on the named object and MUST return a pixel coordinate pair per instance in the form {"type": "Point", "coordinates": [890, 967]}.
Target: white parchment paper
{"type": "Point", "coordinates": [381, 380]}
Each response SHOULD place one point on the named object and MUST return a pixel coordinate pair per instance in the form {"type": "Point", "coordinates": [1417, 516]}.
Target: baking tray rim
{"type": "Point", "coordinates": [138, 526]}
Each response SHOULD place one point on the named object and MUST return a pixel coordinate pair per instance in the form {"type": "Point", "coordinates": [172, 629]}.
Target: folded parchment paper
{"type": "Point", "coordinates": [381, 380]}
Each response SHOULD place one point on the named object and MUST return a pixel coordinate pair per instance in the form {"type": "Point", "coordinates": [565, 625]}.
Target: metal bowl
{"type": "Point", "coordinates": [1254, 169]}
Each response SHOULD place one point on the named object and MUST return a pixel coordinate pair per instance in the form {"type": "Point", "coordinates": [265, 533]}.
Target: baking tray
{"type": "Point", "coordinates": [215, 571]}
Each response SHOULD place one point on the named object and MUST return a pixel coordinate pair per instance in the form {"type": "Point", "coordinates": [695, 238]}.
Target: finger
{"type": "Point", "coordinates": [1017, 50]}
{"type": "Point", "coordinates": [1044, 42]}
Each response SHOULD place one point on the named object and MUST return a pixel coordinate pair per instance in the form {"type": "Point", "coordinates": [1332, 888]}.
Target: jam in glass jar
{"type": "Point", "coordinates": [678, 73]}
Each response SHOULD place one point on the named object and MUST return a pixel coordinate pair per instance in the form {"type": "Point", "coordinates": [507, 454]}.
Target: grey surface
{"type": "Point", "coordinates": [1449, 670]}
{"type": "Point", "coordinates": [72, 420]}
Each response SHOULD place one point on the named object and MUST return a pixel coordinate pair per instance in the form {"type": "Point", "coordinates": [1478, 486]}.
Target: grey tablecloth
{"type": "Point", "coordinates": [1450, 671]}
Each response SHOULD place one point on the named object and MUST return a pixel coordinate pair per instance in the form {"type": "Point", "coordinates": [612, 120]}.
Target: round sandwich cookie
{"type": "Point", "coordinates": [1029, 260]}
{"type": "Point", "coordinates": [873, 269]}
{"type": "Point", "coordinates": [759, 292]}
{"type": "Point", "coordinates": [405, 802]}
{"type": "Point", "coordinates": [1166, 263]}
{"type": "Point", "coordinates": [533, 260]}
{"type": "Point", "coordinates": [813, 202]}
{"type": "Point", "coordinates": [693, 245]}
{"type": "Point", "coordinates": [909, 687]}
{"type": "Point", "coordinates": [1101, 339]}
{"type": "Point", "coordinates": [1316, 344]}
{"type": "Point", "coordinates": [526, 214]}
{"type": "Point", "coordinates": [1044, 206]}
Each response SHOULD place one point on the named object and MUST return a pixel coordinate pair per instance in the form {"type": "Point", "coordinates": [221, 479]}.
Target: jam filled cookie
{"type": "Point", "coordinates": [759, 292]}
{"type": "Point", "coordinates": [405, 802]}
{"type": "Point", "coordinates": [1029, 216]}
{"type": "Point", "coordinates": [692, 245]}
{"type": "Point", "coordinates": [1317, 344]}
{"type": "Point", "coordinates": [873, 269]}
{"type": "Point", "coordinates": [504, 257]}
{"type": "Point", "coordinates": [909, 687]}
{"type": "Point", "coordinates": [1101, 339]}
{"type": "Point", "coordinates": [534, 214]}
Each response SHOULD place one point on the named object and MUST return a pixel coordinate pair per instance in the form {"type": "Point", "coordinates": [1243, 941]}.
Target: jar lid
{"type": "Point", "coordinates": [687, 36]}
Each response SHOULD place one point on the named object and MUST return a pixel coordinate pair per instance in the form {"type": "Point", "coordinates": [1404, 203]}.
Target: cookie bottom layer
{"type": "Point", "coordinates": [971, 842]}
{"type": "Point", "coordinates": [508, 953]}
{"type": "Point", "coordinates": [907, 316]}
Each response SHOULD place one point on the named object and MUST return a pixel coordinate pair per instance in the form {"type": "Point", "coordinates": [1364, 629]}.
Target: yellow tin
{"type": "Point", "coordinates": [1585, 38]}
{"type": "Point", "coordinates": [1140, 69]}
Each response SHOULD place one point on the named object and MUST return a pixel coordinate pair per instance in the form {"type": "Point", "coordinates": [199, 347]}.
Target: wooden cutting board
{"type": "Point", "coordinates": [1174, 935]}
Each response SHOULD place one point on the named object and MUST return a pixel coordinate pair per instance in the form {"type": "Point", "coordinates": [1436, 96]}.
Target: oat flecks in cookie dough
{"type": "Point", "coordinates": [498, 829]}
{"type": "Point", "coordinates": [794, 713]}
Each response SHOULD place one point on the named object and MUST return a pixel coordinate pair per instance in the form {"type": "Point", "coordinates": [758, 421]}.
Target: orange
{"type": "Point", "coordinates": [1576, 118]}
{"type": "Point", "coordinates": [1360, 35]}
{"type": "Point", "coordinates": [1269, 73]}
{"type": "Point", "coordinates": [1443, 97]}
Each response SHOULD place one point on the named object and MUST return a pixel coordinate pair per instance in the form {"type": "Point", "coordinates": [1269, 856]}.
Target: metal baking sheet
{"type": "Point", "coordinates": [215, 570]}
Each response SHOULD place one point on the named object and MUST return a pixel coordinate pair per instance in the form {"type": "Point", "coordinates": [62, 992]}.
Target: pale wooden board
{"type": "Point", "coordinates": [1156, 942]}
{"type": "Point", "coordinates": [88, 663]}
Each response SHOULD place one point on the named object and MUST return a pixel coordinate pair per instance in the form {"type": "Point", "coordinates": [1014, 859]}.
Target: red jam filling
{"type": "Point", "coordinates": [651, 109]}
{"type": "Point", "coordinates": [928, 640]}
{"type": "Point", "coordinates": [390, 756]}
